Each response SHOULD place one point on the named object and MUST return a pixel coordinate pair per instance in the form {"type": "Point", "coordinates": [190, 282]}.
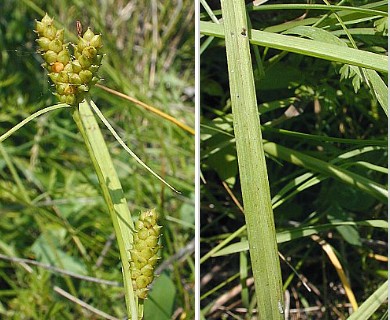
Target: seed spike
{"type": "Point", "coordinates": [79, 72]}
{"type": "Point", "coordinates": [144, 252]}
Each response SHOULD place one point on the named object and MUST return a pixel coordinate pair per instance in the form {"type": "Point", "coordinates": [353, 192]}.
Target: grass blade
{"type": "Point", "coordinates": [252, 166]}
{"type": "Point", "coordinates": [375, 189]}
{"type": "Point", "coordinates": [32, 117]}
{"type": "Point", "coordinates": [369, 306]}
{"type": "Point", "coordinates": [124, 146]}
{"type": "Point", "coordinates": [296, 233]}
{"type": "Point", "coordinates": [307, 47]}
{"type": "Point", "coordinates": [112, 193]}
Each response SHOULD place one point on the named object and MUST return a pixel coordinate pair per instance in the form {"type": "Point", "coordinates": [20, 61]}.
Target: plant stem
{"type": "Point", "coordinates": [112, 193]}
{"type": "Point", "coordinates": [252, 165]}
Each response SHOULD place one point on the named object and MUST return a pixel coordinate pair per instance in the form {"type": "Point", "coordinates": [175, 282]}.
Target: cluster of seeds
{"type": "Point", "coordinates": [72, 76]}
{"type": "Point", "coordinates": [144, 252]}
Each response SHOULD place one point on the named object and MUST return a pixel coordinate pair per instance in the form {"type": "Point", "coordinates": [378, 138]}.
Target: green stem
{"type": "Point", "coordinates": [112, 193]}
{"type": "Point", "coordinates": [29, 118]}
{"type": "Point", "coordinates": [251, 161]}
{"type": "Point", "coordinates": [140, 309]}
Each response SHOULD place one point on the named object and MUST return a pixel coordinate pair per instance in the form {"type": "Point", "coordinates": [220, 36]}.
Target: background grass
{"type": "Point", "coordinates": [51, 208]}
{"type": "Point", "coordinates": [314, 113]}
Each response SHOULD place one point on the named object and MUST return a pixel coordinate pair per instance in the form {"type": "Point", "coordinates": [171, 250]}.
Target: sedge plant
{"type": "Point", "coordinates": [73, 75]}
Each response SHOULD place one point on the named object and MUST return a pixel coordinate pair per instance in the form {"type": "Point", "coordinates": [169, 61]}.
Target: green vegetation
{"type": "Point", "coordinates": [320, 73]}
{"type": "Point", "coordinates": [51, 204]}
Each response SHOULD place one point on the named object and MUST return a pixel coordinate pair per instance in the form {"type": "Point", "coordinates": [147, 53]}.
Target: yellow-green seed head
{"type": "Point", "coordinates": [72, 76]}
{"type": "Point", "coordinates": [144, 252]}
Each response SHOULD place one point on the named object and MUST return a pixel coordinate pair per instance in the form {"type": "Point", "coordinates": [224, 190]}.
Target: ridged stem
{"type": "Point", "coordinates": [112, 193]}
{"type": "Point", "coordinates": [251, 161]}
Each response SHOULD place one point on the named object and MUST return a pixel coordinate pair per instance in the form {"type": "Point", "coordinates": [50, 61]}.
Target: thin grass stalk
{"type": "Point", "coordinates": [31, 117]}
{"type": "Point", "coordinates": [357, 181]}
{"type": "Point", "coordinates": [149, 108]}
{"type": "Point", "coordinates": [252, 166]}
{"type": "Point", "coordinates": [112, 193]}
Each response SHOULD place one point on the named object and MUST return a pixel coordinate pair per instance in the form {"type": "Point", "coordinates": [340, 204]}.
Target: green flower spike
{"type": "Point", "coordinates": [72, 76]}
{"type": "Point", "coordinates": [144, 252]}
